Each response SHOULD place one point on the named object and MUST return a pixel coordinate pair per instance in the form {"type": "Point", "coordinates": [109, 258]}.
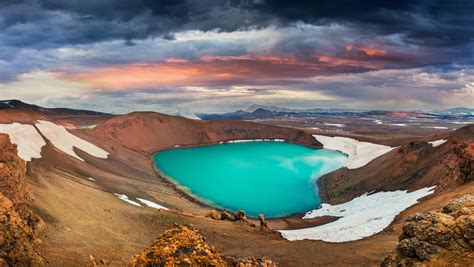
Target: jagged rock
{"type": "Point", "coordinates": [213, 214]}
{"type": "Point", "coordinates": [437, 237]}
{"type": "Point", "coordinates": [225, 215]}
{"type": "Point", "coordinates": [180, 246]}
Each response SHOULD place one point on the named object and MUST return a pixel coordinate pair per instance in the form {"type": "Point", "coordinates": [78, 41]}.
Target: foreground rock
{"type": "Point", "coordinates": [179, 246]}
{"type": "Point", "coordinates": [441, 238]}
{"type": "Point", "coordinates": [19, 227]}
{"type": "Point", "coordinates": [182, 246]}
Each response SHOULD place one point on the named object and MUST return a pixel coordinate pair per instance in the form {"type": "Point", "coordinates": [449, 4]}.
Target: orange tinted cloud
{"type": "Point", "coordinates": [373, 52]}
{"type": "Point", "coordinates": [213, 70]}
{"type": "Point", "coordinates": [370, 51]}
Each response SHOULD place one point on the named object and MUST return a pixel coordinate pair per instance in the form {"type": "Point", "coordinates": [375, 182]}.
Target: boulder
{"type": "Point", "coordinates": [240, 215]}
{"type": "Point", "coordinates": [225, 215]}
{"type": "Point", "coordinates": [213, 214]}
{"type": "Point", "coordinates": [263, 223]}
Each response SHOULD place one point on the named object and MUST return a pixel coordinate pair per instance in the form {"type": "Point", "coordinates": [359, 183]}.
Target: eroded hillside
{"type": "Point", "coordinates": [411, 166]}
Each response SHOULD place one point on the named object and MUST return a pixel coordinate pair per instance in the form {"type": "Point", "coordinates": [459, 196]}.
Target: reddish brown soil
{"type": "Point", "coordinates": [20, 116]}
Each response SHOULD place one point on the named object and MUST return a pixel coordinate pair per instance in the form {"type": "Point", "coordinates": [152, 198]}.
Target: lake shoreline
{"type": "Point", "coordinates": [205, 203]}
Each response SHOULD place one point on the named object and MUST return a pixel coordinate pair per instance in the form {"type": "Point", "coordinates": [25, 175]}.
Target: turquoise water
{"type": "Point", "coordinates": [273, 178]}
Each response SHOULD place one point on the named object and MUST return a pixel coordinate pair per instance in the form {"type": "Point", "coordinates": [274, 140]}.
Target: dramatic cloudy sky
{"type": "Point", "coordinates": [217, 55]}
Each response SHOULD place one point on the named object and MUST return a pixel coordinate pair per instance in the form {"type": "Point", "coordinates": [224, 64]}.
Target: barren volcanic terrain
{"type": "Point", "coordinates": [101, 200]}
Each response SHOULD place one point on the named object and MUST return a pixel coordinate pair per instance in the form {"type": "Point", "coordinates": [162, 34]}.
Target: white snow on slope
{"type": "Point", "coordinates": [335, 124]}
{"type": "Point", "coordinates": [29, 142]}
{"type": "Point", "coordinates": [358, 153]}
{"type": "Point", "coordinates": [126, 199]}
{"type": "Point", "coordinates": [65, 141]}
{"type": "Point", "coordinates": [151, 204]}
{"type": "Point", "coordinates": [361, 217]}
{"type": "Point", "coordinates": [253, 140]}
{"type": "Point", "coordinates": [438, 142]}
{"type": "Point", "coordinates": [462, 122]}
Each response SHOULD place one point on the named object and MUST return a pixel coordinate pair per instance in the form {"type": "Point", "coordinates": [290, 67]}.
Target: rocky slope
{"type": "Point", "coordinates": [154, 131]}
{"type": "Point", "coordinates": [411, 166]}
{"type": "Point", "coordinates": [444, 237]}
{"type": "Point", "coordinates": [19, 227]}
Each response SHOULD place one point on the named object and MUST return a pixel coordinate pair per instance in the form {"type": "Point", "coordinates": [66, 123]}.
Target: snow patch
{"type": "Point", "coordinates": [65, 141]}
{"type": "Point", "coordinates": [399, 124]}
{"type": "Point", "coordinates": [253, 140]}
{"type": "Point", "coordinates": [438, 142]}
{"type": "Point", "coordinates": [378, 121]}
{"type": "Point", "coordinates": [361, 217]}
{"type": "Point", "coordinates": [440, 127]}
{"type": "Point", "coordinates": [91, 179]}
{"type": "Point", "coordinates": [126, 199]}
{"type": "Point", "coordinates": [358, 153]}
{"type": "Point", "coordinates": [462, 122]}
{"type": "Point", "coordinates": [151, 204]}
{"type": "Point", "coordinates": [29, 142]}
{"type": "Point", "coordinates": [335, 124]}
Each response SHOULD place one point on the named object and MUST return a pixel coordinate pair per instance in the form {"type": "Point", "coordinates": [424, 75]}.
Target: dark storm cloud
{"type": "Point", "coordinates": [49, 23]}
{"type": "Point", "coordinates": [426, 23]}
{"type": "Point", "coordinates": [360, 50]}
{"type": "Point", "coordinates": [422, 22]}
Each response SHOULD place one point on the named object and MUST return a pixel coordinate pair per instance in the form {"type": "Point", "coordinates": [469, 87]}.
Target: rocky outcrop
{"type": "Point", "coordinates": [180, 246]}
{"type": "Point", "coordinates": [19, 227]}
{"type": "Point", "coordinates": [183, 246]}
{"type": "Point", "coordinates": [442, 237]}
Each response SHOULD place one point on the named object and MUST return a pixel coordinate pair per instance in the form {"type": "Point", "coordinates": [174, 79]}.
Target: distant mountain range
{"type": "Point", "coordinates": [254, 107]}
{"type": "Point", "coordinates": [17, 104]}
{"type": "Point", "coordinates": [256, 111]}
{"type": "Point", "coordinates": [456, 111]}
